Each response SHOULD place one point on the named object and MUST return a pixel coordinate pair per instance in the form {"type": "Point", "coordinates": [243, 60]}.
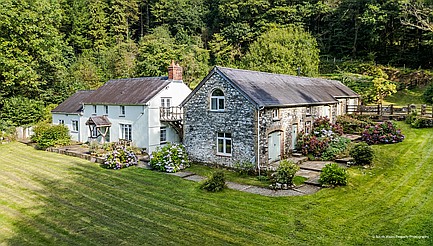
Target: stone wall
{"type": "Point", "coordinates": [201, 125]}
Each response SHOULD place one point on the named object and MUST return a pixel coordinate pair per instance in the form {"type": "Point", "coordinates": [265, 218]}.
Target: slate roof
{"type": "Point", "coordinates": [99, 121]}
{"type": "Point", "coordinates": [73, 105]}
{"type": "Point", "coordinates": [131, 91]}
{"type": "Point", "coordinates": [274, 90]}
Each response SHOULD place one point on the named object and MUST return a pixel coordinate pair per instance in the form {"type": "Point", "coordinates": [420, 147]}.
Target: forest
{"type": "Point", "coordinates": [51, 48]}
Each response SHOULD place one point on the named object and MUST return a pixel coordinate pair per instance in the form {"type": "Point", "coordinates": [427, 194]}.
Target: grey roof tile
{"type": "Point", "coordinates": [73, 105]}
{"type": "Point", "coordinates": [131, 91]}
{"type": "Point", "coordinates": [268, 89]}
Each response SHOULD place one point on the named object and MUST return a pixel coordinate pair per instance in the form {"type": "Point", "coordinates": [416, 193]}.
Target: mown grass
{"type": "Point", "coordinates": [406, 97]}
{"type": "Point", "coordinates": [51, 199]}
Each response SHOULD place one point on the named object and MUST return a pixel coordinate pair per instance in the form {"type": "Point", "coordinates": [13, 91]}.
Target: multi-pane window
{"type": "Point", "coordinates": [106, 109]}
{"type": "Point", "coordinates": [163, 135]}
{"type": "Point", "coordinates": [74, 124]}
{"type": "Point", "coordinates": [224, 142]}
{"type": "Point", "coordinates": [307, 127]}
{"type": "Point", "coordinates": [94, 109]}
{"type": "Point", "coordinates": [217, 100]}
{"type": "Point", "coordinates": [126, 132]}
{"type": "Point", "coordinates": [308, 111]}
{"type": "Point", "coordinates": [122, 110]}
{"type": "Point", "coordinates": [93, 131]}
{"type": "Point", "coordinates": [61, 122]}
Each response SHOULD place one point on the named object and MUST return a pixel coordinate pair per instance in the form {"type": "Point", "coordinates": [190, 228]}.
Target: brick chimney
{"type": "Point", "coordinates": [174, 71]}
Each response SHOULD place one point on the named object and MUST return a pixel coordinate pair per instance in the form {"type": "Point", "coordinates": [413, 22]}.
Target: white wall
{"type": "Point", "coordinates": [79, 135]}
{"type": "Point", "coordinates": [145, 119]}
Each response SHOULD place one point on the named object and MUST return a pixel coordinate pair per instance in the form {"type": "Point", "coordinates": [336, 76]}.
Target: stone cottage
{"type": "Point", "coordinates": [238, 115]}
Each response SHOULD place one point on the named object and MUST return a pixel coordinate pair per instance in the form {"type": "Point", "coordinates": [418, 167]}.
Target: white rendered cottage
{"type": "Point", "coordinates": [142, 111]}
{"type": "Point", "coordinates": [70, 114]}
{"type": "Point", "coordinates": [238, 115]}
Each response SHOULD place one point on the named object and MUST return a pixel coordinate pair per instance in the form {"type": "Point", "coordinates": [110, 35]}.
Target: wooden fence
{"type": "Point", "coordinates": [390, 110]}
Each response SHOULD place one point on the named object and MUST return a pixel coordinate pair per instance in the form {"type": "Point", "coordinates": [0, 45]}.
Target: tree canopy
{"type": "Point", "coordinates": [51, 48]}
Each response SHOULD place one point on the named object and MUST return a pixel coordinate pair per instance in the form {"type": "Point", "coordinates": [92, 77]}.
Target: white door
{"type": "Point", "coordinates": [274, 143]}
{"type": "Point", "coordinates": [294, 135]}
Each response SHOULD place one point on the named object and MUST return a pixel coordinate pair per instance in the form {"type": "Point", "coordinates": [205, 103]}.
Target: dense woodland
{"type": "Point", "coordinates": [51, 48]}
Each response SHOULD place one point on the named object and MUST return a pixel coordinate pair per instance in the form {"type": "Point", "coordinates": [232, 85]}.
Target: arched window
{"type": "Point", "coordinates": [217, 100]}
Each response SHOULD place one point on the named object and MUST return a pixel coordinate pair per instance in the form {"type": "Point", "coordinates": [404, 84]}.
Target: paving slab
{"type": "Point", "coordinates": [182, 174]}
{"type": "Point", "coordinates": [308, 189]}
{"type": "Point", "coordinates": [307, 173]}
{"type": "Point", "coordinates": [195, 178]}
{"type": "Point", "coordinates": [313, 181]}
{"type": "Point", "coordinates": [314, 165]}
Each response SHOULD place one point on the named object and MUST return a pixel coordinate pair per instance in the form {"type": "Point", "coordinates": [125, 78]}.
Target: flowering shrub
{"type": "Point", "coordinates": [325, 140]}
{"type": "Point", "coordinates": [337, 147]}
{"type": "Point", "coordinates": [382, 133]}
{"type": "Point", "coordinates": [119, 158]}
{"type": "Point", "coordinates": [322, 126]}
{"type": "Point", "coordinates": [170, 158]}
{"type": "Point", "coordinates": [310, 144]}
{"type": "Point", "coordinates": [286, 172]}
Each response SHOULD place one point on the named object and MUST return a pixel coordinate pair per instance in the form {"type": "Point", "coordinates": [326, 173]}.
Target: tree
{"type": "Point", "coordinates": [383, 88]}
{"type": "Point", "coordinates": [22, 111]}
{"type": "Point", "coordinates": [284, 50]}
{"type": "Point", "coordinates": [33, 54]}
{"type": "Point", "coordinates": [124, 13]}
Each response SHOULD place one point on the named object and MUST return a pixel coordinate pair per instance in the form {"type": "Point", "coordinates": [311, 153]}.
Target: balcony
{"type": "Point", "coordinates": [171, 113]}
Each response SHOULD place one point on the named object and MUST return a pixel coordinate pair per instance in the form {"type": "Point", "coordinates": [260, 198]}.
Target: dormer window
{"type": "Point", "coordinates": [217, 100]}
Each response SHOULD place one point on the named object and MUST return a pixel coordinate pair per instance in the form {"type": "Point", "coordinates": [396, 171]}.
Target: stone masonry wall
{"type": "Point", "coordinates": [201, 125]}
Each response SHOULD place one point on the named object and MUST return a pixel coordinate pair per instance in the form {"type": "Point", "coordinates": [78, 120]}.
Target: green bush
{"type": "Point", "coordinates": [337, 148]}
{"type": "Point", "coordinates": [362, 154]}
{"type": "Point", "coordinates": [286, 172]}
{"type": "Point", "coordinates": [215, 182]}
{"type": "Point", "coordinates": [244, 168]}
{"type": "Point", "coordinates": [46, 135]}
{"type": "Point", "coordinates": [170, 158]}
{"type": "Point", "coordinates": [351, 125]}
{"type": "Point", "coordinates": [428, 95]}
{"type": "Point", "coordinates": [420, 122]}
{"type": "Point", "coordinates": [332, 174]}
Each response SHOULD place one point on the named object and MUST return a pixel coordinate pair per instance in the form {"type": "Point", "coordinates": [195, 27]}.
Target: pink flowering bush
{"type": "Point", "coordinates": [170, 158]}
{"type": "Point", "coordinates": [119, 158]}
{"type": "Point", "coordinates": [382, 133]}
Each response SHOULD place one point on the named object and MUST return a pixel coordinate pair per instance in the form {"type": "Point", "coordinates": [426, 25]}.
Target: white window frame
{"type": "Point", "coordinates": [217, 103]}
{"type": "Point", "coordinates": [122, 110]}
{"type": "Point", "coordinates": [106, 109]}
{"type": "Point", "coordinates": [275, 114]}
{"type": "Point", "coordinates": [165, 102]}
{"type": "Point", "coordinates": [163, 135]}
{"type": "Point", "coordinates": [308, 110]}
{"type": "Point", "coordinates": [61, 122]}
{"type": "Point", "coordinates": [74, 125]}
{"type": "Point", "coordinates": [126, 132]}
{"type": "Point", "coordinates": [225, 139]}
{"type": "Point", "coordinates": [94, 131]}
{"type": "Point", "coordinates": [95, 110]}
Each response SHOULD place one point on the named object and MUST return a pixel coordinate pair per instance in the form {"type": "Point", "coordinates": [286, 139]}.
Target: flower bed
{"type": "Point", "coordinates": [382, 133]}
{"type": "Point", "coordinates": [119, 158]}
{"type": "Point", "coordinates": [170, 158]}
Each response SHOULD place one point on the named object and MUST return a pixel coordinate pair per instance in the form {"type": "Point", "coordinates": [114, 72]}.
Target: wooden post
{"type": "Point", "coordinates": [392, 109]}
{"type": "Point", "coordinates": [379, 110]}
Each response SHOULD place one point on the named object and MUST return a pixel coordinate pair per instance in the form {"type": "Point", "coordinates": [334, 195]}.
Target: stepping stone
{"type": "Point", "coordinates": [314, 165]}
{"type": "Point", "coordinates": [313, 181]}
{"type": "Point", "coordinates": [308, 189]}
{"type": "Point", "coordinates": [195, 178]}
{"type": "Point", "coordinates": [307, 173]}
{"type": "Point", "coordinates": [182, 174]}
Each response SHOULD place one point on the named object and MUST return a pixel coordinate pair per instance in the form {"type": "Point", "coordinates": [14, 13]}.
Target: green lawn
{"type": "Point", "coordinates": [51, 199]}
{"type": "Point", "coordinates": [405, 97]}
